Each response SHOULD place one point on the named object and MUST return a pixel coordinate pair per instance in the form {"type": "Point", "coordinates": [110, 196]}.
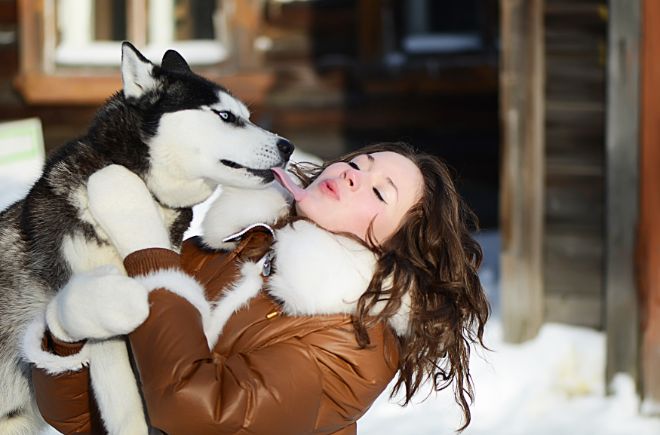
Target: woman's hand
{"type": "Point", "coordinates": [124, 208]}
{"type": "Point", "coordinates": [97, 304]}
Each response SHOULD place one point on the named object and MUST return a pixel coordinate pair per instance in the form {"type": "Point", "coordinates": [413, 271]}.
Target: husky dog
{"type": "Point", "coordinates": [181, 134]}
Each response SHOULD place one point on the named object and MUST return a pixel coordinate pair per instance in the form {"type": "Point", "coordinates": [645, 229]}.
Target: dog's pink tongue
{"type": "Point", "coordinates": [298, 192]}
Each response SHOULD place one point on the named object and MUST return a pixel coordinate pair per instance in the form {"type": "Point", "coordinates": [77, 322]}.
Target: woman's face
{"type": "Point", "coordinates": [379, 187]}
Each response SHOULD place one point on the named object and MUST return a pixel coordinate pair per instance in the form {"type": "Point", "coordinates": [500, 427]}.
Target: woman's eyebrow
{"type": "Point", "coordinates": [389, 180]}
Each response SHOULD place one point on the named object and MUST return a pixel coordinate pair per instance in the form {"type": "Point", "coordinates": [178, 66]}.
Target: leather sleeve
{"type": "Point", "coordinates": [65, 400]}
{"type": "Point", "coordinates": [187, 389]}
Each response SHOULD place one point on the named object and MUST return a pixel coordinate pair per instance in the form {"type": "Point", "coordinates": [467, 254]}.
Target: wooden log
{"type": "Point", "coordinates": [522, 193]}
{"type": "Point", "coordinates": [622, 162]}
{"type": "Point", "coordinates": [648, 236]}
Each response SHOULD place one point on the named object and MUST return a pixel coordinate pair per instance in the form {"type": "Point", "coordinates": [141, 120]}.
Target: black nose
{"type": "Point", "coordinates": [285, 147]}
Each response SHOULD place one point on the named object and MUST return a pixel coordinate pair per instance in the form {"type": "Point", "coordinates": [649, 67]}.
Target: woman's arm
{"type": "Point", "coordinates": [188, 389]}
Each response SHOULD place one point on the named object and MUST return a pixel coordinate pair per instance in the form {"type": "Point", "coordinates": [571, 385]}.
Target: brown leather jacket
{"type": "Point", "coordinates": [268, 372]}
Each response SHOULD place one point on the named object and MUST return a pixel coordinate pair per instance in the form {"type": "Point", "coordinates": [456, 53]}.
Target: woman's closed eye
{"type": "Point", "coordinates": [376, 191]}
{"type": "Point", "coordinates": [379, 196]}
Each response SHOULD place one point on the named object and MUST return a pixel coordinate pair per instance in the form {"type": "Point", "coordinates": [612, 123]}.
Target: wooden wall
{"type": "Point", "coordinates": [553, 173]}
{"type": "Point", "coordinates": [575, 51]}
{"type": "Point", "coordinates": [648, 237]}
{"type": "Point", "coordinates": [331, 93]}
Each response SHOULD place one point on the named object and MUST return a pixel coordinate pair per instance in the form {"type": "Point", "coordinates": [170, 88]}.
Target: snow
{"type": "Point", "coordinates": [553, 384]}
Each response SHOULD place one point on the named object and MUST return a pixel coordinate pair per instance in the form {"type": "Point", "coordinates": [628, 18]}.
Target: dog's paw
{"type": "Point", "coordinates": [123, 206]}
{"type": "Point", "coordinates": [98, 304]}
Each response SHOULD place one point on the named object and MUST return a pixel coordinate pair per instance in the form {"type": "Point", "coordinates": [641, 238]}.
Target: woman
{"type": "Point", "coordinates": [373, 273]}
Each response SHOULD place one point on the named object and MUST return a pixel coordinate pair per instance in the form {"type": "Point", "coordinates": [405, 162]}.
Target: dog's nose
{"type": "Point", "coordinates": [285, 147]}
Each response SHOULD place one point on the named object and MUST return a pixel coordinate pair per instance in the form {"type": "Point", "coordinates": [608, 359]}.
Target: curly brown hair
{"type": "Point", "coordinates": [433, 259]}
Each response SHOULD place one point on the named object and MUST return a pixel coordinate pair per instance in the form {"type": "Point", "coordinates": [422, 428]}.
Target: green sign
{"type": "Point", "coordinates": [21, 141]}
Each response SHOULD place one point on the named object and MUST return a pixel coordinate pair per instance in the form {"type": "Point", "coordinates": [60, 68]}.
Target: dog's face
{"type": "Point", "coordinates": [196, 131]}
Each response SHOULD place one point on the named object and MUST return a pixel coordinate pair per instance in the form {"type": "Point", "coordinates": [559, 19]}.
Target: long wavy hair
{"type": "Point", "coordinates": [432, 259]}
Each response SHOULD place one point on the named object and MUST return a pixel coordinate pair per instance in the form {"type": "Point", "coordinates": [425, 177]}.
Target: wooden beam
{"type": "Point", "coordinates": [521, 190]}
{"type": "Point", "coordinates": [30, 12]}
{"type": "Point", "coordinates": [136, 26]}
{"type": "Point", "coordinates": [622, 163]}
{"type": "Point", "coordinates": [38, 88]}
{"type": "Point", "coordinates": [648, 236]}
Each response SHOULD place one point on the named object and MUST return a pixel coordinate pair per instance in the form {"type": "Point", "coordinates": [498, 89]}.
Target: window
{"type": "Point", "coordinates": [70, 49]}
{"type": "Point", "coordinates": [89, 32]}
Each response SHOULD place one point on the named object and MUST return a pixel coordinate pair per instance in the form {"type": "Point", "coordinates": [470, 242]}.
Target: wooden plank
{"type": "Point", "coordinates": [522, 193]}
{"type": "Point", "coordinates": [29, 15]}
{"type": "Point", "coordinates": [36, 88]}
{"type": "Point", "coordinates": [648, 236]}
{"type": "Point", "coordinates": [622, 139]}
{"type": "Point", "coordinates": [573, 264]}
{"type": "Point", "coordinates": [136, 26]}
{"type": "Point", "coordinates": [582, 310]}
{"type": "Point", "coordinates": [573, 199]}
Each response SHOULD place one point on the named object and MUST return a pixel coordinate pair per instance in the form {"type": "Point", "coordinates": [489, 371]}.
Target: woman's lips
{"type": "Point", "coordinates": [329, 187]}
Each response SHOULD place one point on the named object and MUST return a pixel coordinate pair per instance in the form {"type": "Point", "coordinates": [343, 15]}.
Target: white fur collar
{"type": "Point", "coordinates": [318, 272]}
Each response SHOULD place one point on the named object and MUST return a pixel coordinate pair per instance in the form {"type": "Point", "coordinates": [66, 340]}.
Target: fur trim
{"type": "Point", "coordinates": [236, 208]}
{"type": "Point", "coordinates": [32, 352]}
{"type": "Point", "coordinates": [400, 321]}
{"type": "Point", "coordinates": [115, 388]}
{"type": "Point", "coordinates": [235, 298]}
{"type": "Point", "coordinates": [180, 283]}
{"type": "Point", "coordinates": [318, 272]}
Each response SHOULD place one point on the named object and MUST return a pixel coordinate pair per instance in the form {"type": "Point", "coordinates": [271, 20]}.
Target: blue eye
{"type": "Point", "coordinates": [353, 165]}
{"type": "Point", "coordinates": [226, 116]}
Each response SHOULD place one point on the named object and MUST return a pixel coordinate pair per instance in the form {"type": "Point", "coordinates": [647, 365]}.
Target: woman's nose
{"type": "Point", "coordinates": [352, 178]}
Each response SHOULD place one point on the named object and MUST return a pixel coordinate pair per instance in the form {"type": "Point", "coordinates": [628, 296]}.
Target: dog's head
{"type": "Point", "coordinates": [198, 134]}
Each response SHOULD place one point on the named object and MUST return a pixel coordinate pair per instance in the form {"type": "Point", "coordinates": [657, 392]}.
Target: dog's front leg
{"type": "Point", "coordinates": [115, 388]}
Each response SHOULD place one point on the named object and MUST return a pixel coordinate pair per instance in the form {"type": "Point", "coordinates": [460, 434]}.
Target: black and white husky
{"type": "Point", "coordinates": [183, 135]}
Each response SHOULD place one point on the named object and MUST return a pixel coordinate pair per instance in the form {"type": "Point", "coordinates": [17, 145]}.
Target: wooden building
{"type": "Point", "coordinates": [330, 75]}
{"type": "Point", "coordinates": [579, 110]}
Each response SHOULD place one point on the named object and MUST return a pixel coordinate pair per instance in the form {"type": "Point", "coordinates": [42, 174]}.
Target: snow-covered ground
{"type": "Point", "coordinates": [552, 385]}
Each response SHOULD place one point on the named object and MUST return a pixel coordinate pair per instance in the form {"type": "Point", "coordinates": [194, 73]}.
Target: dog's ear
{"type": "Point", "coordinates": [136, 72]}
{"type": "Point", "coordinates": [173, 61]}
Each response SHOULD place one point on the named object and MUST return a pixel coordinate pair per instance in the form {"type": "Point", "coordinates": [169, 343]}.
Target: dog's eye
{"type": "Point", "coordinates": [226, 116]}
